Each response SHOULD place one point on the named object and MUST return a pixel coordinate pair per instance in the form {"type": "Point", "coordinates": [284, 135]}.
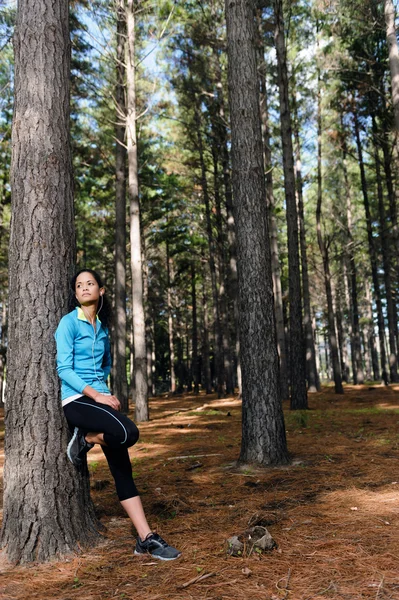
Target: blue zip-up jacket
{"type": "Point", "coordinates": [83, 355]}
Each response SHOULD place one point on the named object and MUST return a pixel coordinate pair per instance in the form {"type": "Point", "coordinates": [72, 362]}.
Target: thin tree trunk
{"type": "Point", "coordinates": [386, 262]}
{"type": "Point", "coordinates": [393, 198]}
{"type": "Point", "coordinates": [276, 271]}
{"type": "Point", "coordinates": [299, 398]}
{"type": "Point", "coordinates": [212, 264]}
{"type": "Point", "coordinates": [120, 380]}
{"type": "Point", "coordinates": [170, 276]}
{"type": "Point", "coordinates": [47, 508]}
{"type": "Point", "coordinates": [195, 332]}
{"type": "Point", "coordinates": [392, 41]}
{"type": "Point", "coordinates": [263, 431]}
{"type": "Point", "coordinates": [206, 366]}
{"type": "Point", "coordinates": [357, 367]}
{"type": "Point", "coordinates": [372, 251]}
{"type": "Point", "coordinates": [371, 335]}
{"type": "Point", "coordinates": [140, 352]}
{"type": "Point", "coordinates": [343, 353]}
{"type": "Point", "coordinates": [148, 329]}
{"type": "Point", "coordinates": [3, 346]}
{"type": "Point", "coordinates": [326, 263]}
{"type": "Point", "coordinates": [231, 281]}
{"type": "Point", "coordinates": [310, 354]}
{"type": "Point", "coordinates": [222, 261]}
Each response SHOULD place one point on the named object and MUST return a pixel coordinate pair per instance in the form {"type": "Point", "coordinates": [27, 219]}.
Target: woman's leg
{"type": "Point", "coordinates": [116, 428]}
{"type": "Point", "coordinates": [117, 433]}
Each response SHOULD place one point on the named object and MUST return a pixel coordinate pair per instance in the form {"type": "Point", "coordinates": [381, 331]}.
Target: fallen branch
{"type": "Point", "coordinates": [192, 456]}
{"type": "Point", "coordinates": [285, 589]}
{"type": "Point", "coordinates": [195, 580]}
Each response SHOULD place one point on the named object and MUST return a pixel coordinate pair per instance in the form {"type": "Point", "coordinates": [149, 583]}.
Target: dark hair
{"type": "Point", "coordinates": [104, 314]}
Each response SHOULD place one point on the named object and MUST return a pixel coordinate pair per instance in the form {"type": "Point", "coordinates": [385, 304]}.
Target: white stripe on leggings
{"type": "Point", "coordinates": [108, 413]}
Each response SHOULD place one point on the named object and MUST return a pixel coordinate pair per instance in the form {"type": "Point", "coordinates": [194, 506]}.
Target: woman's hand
{"type": "Point", "coordinates": [111, 401]}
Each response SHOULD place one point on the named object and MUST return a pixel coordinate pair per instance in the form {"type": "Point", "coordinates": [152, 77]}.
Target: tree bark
{"type": "Point", "coordinates": [263, 431]}
{"type": "Point", "coordinates": [357, 367]}
{"type": "Point", "coordinates": [219, 366]}
{"type": "Point", "coordinates": [206, 366]}
{"type": "Point", "coordinates": [372, 251]}
{"type": "Point", "coordinates": [222, 279]}
{"type": "Point", "coordinates": [140, 352]}
{"type": "Point", "coordinates": [47, 507]}
{"type": "Point", "coordinates": [194, 363]}
{"type": "Point", "coordinates": [299, 399]}
{"type": "Point", "coordinates": [386, 263]}
{"type": "Point", "coordinates": [231, 280]}
{"type": "Point", "coordinates": [276, 271]}
{"type": "Point", "coordinates": [370, 333]}
{"type": "Point", "coordinates": [392, 42]}
{"type": "Point", "coordinates": [120, 380]}
{"type": "Point", "coordinates": [3, 347]}
{"type": "Point", "coordinates": [169, 268]}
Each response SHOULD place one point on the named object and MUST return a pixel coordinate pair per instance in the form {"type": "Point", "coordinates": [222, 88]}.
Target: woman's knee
{"type": "Point", "coordinates": [132, 434]}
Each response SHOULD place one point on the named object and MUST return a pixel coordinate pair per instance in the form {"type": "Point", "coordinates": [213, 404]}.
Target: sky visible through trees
{"type": "Point", "coordinates": [345, 155]}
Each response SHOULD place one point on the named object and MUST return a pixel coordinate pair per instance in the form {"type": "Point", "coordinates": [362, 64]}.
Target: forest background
{"type": "Point", "coordinates": [345, 165]}
{"type": "Point", "coordinates": [157, 159]}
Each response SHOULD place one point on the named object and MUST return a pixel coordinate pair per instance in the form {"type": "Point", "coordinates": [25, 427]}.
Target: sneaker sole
{"type": "Point", "coordinates": [155, 556]}
{"type": "Point", "coordinates": [73, 438]}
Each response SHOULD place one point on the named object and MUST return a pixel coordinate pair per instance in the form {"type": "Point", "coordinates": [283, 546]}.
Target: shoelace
{"type": "Point", "coordinates": [158, 539]}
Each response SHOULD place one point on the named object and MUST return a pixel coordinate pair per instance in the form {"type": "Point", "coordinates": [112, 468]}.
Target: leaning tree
{"type": "Point", "coordinates": [47, 508]}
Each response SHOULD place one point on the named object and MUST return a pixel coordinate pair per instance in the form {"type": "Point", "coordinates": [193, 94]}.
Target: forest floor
{"type": "Point", "coordinates": [334, 512]}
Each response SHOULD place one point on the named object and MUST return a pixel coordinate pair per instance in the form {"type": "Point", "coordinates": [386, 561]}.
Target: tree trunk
{"type": "Point", "coordinates": [3, 346]}
{"type": "Point", "coordinates": [393, 195]}
{"type": "Point", "coordinates": [47, 507]}
{"type": "Point", "coordinates": [310, 353]}
{"type": "Point", "coordinates": [212, 264]}
{"type": "Point", "coordinates": [231, 280]}
{"type": "Point", "coordinates": [120, 383]}
{"type": "Point", "coordinates": [194, 362]}
{"type": "Point", "coordinates": [299, 398]}
{"type": "Point", "coordinates": [357, 367]}
{"type": "Point", "coordinates": [169, 268]}
{"type": "Point", "coordinates": [341, 333]}
{"type": "Point", "coordinates": [386, 262]}
{"type": "Point", "coordinates": [206, 366]}
{"type": "Point", "coordinates": [263, 431]}
{"type": "Point", "coordinates": [148, 332]}
{"type": "Point", "coordinates": [276, 271]}
{"type": "Point", "coordinates": [393, 57]}
{"type": "Point", "coordinates": [372, 251]}
{"type": "Point", "coordinates": [140, 352]}
{"type": "Point", "coordinates": [370, 334]}
{"type": "Point", "coordinates": [222, 278]}
{"type": "Point", "coordinates": [332, 335]}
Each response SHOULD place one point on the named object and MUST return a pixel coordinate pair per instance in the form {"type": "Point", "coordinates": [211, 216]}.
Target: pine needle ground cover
{"type": "Point", "coordinates": [334, 512]}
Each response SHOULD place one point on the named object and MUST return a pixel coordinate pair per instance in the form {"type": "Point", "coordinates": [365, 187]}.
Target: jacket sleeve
{"type": "Point", "coordinates": [64, 337]}
{"type": "Point", "coordinates": [107, 362]}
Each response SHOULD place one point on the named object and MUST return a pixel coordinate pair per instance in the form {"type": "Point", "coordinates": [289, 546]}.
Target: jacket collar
{"type": "Point", "coordinates": [82, 317]}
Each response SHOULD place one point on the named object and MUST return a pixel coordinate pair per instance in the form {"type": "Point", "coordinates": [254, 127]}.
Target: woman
{"type": "Point", "coordinates": [92, 412]}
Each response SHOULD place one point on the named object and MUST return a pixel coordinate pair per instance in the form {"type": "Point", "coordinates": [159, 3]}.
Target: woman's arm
{"type": "Point", "coordinates": [107, 361]}
{"type": "Point", "coordinates": [64, 337]}
{"type": "Point", "coordinates": [102, 398]}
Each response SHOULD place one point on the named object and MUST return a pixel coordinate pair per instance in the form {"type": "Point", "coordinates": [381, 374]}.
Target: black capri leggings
{"type": "Point", "coordinates": [119, 434]}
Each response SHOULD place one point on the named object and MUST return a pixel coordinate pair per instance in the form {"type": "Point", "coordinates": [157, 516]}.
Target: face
{"type": "Point", "coordinates": [87, 289]}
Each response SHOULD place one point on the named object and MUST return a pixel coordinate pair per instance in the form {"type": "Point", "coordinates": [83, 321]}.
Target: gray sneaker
{"type": "Point", "coordinates": [157, 547]}
{"type": "Point", "coordinates": [78, 447]}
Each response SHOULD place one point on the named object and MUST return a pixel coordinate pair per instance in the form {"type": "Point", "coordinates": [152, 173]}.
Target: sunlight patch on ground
{"type": "Point", "coordinates": [359, 501]}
